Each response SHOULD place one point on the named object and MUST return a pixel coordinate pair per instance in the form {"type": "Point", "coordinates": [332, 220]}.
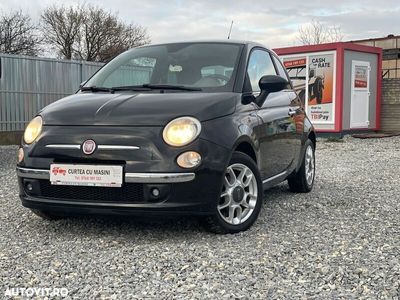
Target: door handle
{"type": "Point", "coordinates": [292, 112]}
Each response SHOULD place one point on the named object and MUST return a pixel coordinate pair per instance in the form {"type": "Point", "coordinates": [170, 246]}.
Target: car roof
{"type": "Point", "coordinates": [218, 41]}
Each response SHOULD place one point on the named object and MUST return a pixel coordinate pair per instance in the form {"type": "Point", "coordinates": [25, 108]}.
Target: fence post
{"type": "Point", "coordinates": [81, 78]}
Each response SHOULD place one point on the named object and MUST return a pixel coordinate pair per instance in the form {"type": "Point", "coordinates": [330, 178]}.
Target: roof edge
{"type": "Point", "coordinates": [328, 47]}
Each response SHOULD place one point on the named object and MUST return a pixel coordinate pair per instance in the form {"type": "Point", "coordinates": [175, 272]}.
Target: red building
{"type": "Point", "coordinates": [340, 84]}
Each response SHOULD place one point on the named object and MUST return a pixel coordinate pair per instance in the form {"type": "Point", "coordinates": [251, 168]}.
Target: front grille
{"type": "Point", "coordinates": [128, 193]}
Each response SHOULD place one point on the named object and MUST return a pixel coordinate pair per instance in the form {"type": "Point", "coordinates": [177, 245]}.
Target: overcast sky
{"type": "Point", "coordinates": [273, 23]}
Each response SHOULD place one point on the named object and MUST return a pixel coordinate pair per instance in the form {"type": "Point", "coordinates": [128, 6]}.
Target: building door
{"type": "Point", "coordinates": [359, 116]}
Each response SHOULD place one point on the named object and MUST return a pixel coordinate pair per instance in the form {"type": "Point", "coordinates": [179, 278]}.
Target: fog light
{"type": "Point", "coordinates": [29, 187]}
{"type": "Point", "coordinates": [155, 192]}
{"type": "Point", "coordinates": [20, 155]}
{"type": "Point", "coordinates": [189, 159]}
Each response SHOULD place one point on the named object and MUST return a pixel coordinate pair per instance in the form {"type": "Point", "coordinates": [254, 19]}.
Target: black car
{"type": "Point", "coordinates": [183, 128]}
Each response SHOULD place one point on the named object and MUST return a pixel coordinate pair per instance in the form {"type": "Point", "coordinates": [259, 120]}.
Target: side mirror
{"type": "Point", "coordinates": [247, 98]}
{"type": "Point", "coordinates": [272, 83]}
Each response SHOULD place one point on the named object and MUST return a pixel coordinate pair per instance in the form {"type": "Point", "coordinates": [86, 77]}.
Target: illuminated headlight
{"type": "Point", "coordinates": [181, 131]}
{"type": "Point", "coordinates": [33, 130]}
{"type": "Point", "coordinates": [189, 159]}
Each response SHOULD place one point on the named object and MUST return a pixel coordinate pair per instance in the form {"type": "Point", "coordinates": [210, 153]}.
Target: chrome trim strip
{"type": "Point", "coordinates": [117, 147]}
{"type": "Point", "coordinates": [274, 177]}
{"type": "Point", "coordinates": [33, 173]}
{"type": "Point", "coordinates": [159, 177]}
{"type": "Point", "coordinates": [100, 147]}
{"type": "Point", "coordinates": [129, 177]}
{"type": "Point", "coordinates": [63, 146]}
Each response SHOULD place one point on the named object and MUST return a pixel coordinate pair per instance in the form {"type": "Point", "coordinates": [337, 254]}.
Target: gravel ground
{"type": "Point", "coordinates": [340, 241]}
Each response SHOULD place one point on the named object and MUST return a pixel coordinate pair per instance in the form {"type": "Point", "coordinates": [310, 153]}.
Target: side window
{"type": "Point", "coordinates": [260, 64]}
{"type": "Point", "coordinates": [281, 69]}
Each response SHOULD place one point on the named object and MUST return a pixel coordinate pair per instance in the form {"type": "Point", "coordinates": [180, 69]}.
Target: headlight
{"type": "Point", "coordinates": [181, 131]}
{"type": "Point", "coordinates": [33, 130]}
{"type": "Point", "coordinates": [20, 155]}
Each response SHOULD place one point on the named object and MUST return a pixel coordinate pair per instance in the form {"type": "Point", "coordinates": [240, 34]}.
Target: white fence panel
{"type": "Point", "coordinates": [27, 84]}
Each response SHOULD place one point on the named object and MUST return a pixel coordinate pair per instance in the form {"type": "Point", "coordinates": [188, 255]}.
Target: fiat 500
{"type": "Point", "coordinates": [183, 128]}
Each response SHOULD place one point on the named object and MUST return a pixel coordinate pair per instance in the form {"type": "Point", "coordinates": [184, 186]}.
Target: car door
{"type": "Point", "coordinates": [277, 128]}
{"type": "Point", "coordinates": [296, 111]}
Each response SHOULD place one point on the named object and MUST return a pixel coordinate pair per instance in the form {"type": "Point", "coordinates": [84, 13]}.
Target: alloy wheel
{"type": "Point", "coordinates": [239, 194]}
{"type": "Point", "coordinates": [309, 165]}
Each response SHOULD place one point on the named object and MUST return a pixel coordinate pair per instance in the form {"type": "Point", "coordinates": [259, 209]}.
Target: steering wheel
{"type": "Point", "coordinates": [218, 76]}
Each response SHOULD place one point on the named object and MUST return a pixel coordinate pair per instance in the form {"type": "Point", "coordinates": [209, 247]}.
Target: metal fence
{"type": "Point", "coordinates": [27, 84]}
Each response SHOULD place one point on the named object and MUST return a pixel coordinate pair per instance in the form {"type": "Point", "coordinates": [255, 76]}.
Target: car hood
{"type": "Point", "coordinates": [142, 109]}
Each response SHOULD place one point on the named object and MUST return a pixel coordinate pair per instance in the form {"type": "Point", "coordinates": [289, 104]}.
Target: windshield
{"type": "Point", "coordinates": [206, 66]}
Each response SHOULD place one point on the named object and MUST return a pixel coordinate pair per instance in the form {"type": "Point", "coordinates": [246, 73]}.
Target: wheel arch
{"type": "Point", "coordinates": [246, 146]}
{"type": "Point", "coordinates": [313, 138]}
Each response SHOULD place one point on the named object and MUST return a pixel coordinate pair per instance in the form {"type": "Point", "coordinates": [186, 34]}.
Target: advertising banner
{"type": "Point", "coordinates": [313, 78]}
{"type": "Point", "coordinates": [297, 69]}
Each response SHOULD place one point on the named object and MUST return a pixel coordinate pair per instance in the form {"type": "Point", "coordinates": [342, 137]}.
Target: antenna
{"type": "Point", "coordinates": [230, 30]}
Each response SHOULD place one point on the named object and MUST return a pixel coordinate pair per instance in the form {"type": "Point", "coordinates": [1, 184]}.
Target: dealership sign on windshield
{"type": "Point", "coordinates": [313, 78]}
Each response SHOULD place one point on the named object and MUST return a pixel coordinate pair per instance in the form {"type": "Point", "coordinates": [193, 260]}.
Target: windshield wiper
{"type": "Point", "coordinates": [170, 87]}
{"type": "Point", "coordinates": [139, 88]}
{"type": "Point", "coordinates": [148, 86]}
{"type": "Point", "coordinates": [135, 88]}
{"type": "Point", "coordinates": [96, 89]}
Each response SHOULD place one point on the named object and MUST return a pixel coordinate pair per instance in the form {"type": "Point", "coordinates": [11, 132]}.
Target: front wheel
{"type": "Point", "coordinates": [303, 180]}
{"type": "Point", "coordinates": [241, 197]}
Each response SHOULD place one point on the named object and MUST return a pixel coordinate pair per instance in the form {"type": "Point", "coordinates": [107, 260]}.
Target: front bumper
{"type": "Point", "coordinates": [153, 165]}
{"type": "Point", "coordinates": [178, 193]}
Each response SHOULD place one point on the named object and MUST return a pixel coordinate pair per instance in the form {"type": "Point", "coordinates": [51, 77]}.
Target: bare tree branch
{"type": "Point", "coordinates": [317, 33]}
{"type": "Point", "coordinates": [18, 35]}
{"type": "Point", "coordinates": [335, 34]}
{"type": "Point", "coordinates": [60, 28]}
{"type": "Point", "coordinates": [90, 33]}
{"type": "Point", "coordinates": [129, 36]}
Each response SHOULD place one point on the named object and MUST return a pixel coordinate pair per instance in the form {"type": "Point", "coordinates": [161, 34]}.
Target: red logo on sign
{"type": "Point", "coordinates": [88, 147]}
{"type": "Point", "coordinates": [360, 83]}
{"type": "Point", "coordinates": [58, 171]}
{"type": "Point", "coordinates": [295, 63]}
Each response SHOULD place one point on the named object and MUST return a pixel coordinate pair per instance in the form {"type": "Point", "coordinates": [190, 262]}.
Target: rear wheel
{"type": "Point", "coordinates": [303, 180]}
{"type": "Point", "coordinates": [46, 215]}
{"type": "Point", "coordinates": [241, 197]}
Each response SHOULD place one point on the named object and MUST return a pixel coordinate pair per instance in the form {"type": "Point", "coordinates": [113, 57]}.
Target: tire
{"type": "Point", "coordinates": [241, 199]}
{"type": "Point", "coordinates": [299, 182]}
{"type": "Point", "coordinates": [45, 215]}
